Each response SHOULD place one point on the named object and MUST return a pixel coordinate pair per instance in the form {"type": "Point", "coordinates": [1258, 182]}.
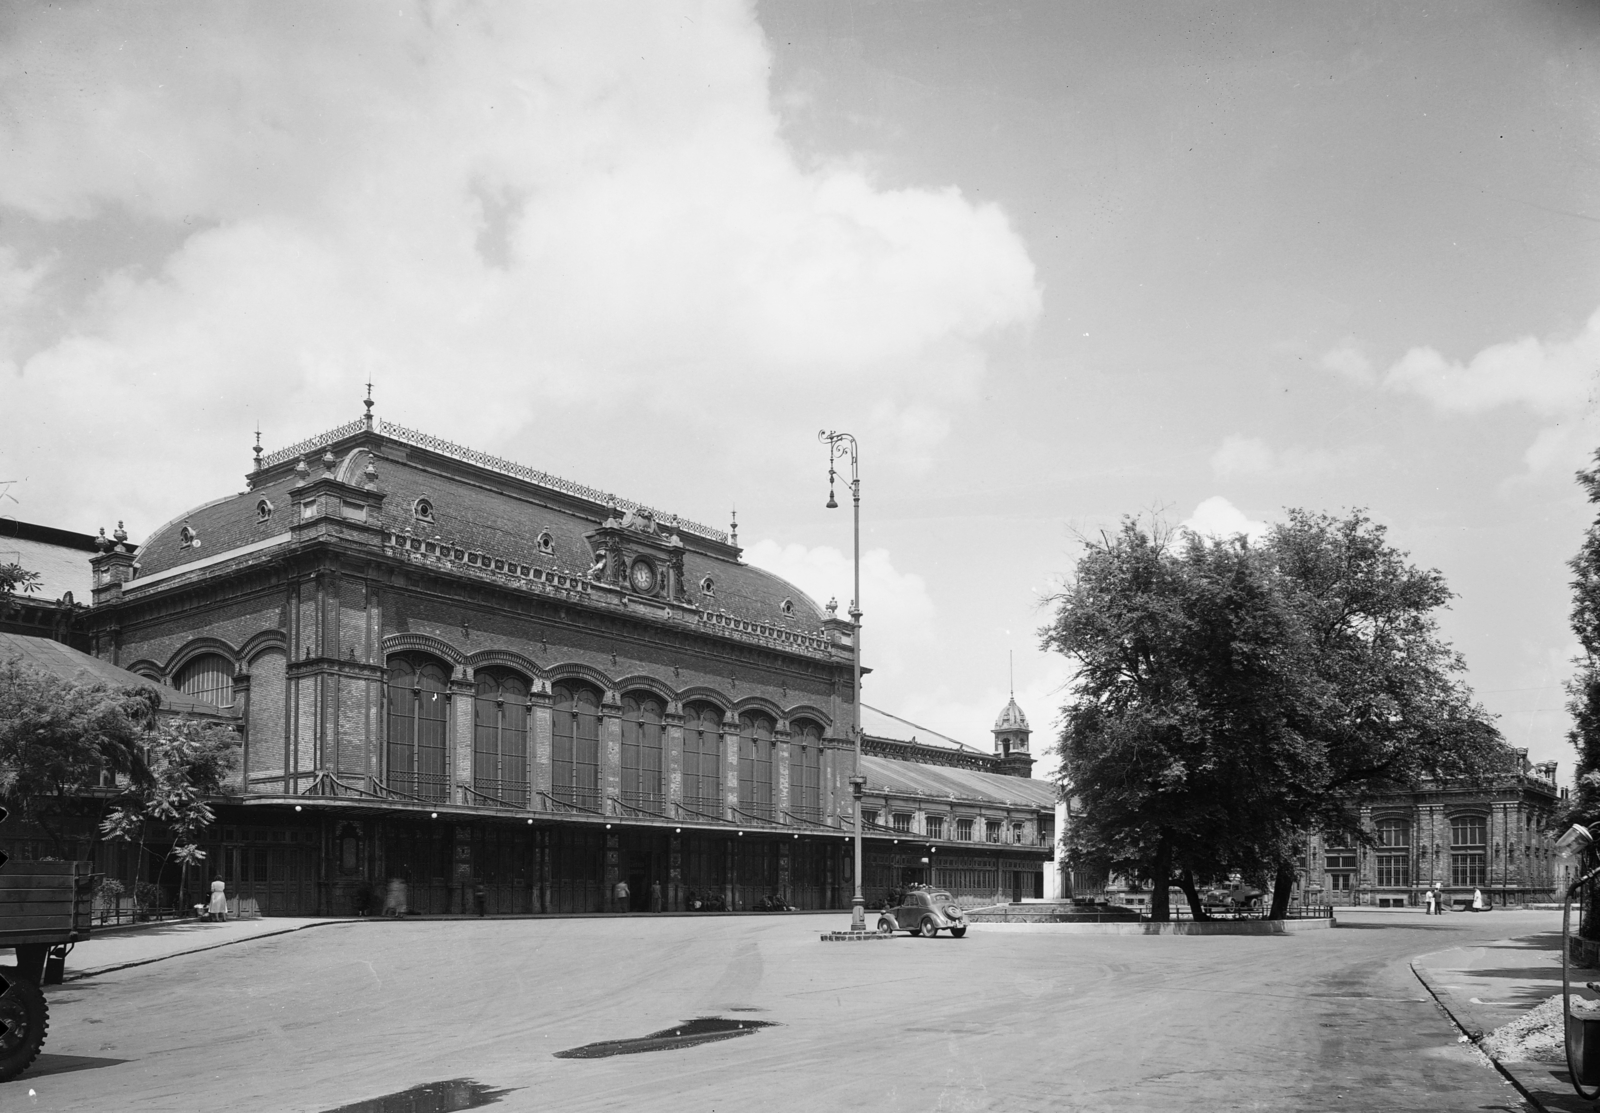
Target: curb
{"type": "Point", "coordinates": [1218, 927]}
{"type": "Point", "coordinates": [96, 971]}
{"type": "Point", "coordinates": [1475, 1037]}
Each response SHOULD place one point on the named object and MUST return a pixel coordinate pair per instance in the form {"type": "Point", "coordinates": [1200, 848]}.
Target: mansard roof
{"type": "Point", "coordinates": [478, 502]}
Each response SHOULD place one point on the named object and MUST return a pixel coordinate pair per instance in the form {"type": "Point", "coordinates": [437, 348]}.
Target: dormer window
{"type": "Point", "coordinates": [188, 537]}
{"type": "Point", "coordinates": [263, 510]}
{"type": "Point", "coordinates": [788, 608]}
{"type": "Point", "coordinates": [547, 544]}
{"type": "Point", "coordinates": [423, 510]}
{"type": "Point", "coordinates": [708, 586]}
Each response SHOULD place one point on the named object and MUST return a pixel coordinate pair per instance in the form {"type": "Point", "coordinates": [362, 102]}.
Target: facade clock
{"type": "Point", "coordinates": [643, 577]}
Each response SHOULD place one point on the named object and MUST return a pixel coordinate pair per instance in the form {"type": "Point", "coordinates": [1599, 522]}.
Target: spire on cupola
{"type": "Point", "coordinates": [1011, 734]}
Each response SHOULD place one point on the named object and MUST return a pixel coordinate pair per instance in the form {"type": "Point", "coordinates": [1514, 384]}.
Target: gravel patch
{"type": "Point", "coordinates": [1536, 1036]}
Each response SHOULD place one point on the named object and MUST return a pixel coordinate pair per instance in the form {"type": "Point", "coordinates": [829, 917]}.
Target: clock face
{"type": "Point", "coordinates": [643, 576]}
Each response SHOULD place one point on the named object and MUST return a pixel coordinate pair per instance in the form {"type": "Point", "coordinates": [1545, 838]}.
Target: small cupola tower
{"type": "Point", "coordinates": [1011, 742]}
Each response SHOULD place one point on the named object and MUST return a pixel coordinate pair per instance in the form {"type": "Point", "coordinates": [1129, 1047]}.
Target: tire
{"type": "Point", "coordinates": [24, 1021]}
{"type": "Point", "coordinates": [957, 933]}
{"type": "Point", "coordinates": [885, 927]}
{"type": "Point", "coordinates": [928, 928]}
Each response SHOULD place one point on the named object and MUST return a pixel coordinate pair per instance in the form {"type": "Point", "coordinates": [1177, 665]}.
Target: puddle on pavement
{"type": "Point", "coordinates": [432, 1097]}
{"type": "Point", "coordinates": [704, 1029]}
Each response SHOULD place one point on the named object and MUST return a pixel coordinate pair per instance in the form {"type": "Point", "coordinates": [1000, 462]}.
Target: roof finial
{"type": "Point", "coordinates": [258, 446]}
{"type": "Point", "coordinates": [733, 527]}
{"type": "Point", "coordinates": [368, 403]}
{"type": "Point", "coordinates": [1011, 669]}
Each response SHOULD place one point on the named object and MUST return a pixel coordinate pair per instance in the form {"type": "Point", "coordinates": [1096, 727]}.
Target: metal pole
{"type": "Point", "coordinates": [858, 901]}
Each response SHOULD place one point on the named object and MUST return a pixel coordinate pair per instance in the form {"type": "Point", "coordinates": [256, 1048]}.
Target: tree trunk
{"type": "Point", "coordinates": [1160, 878]}
{"type": "Point", "coordinates": [1282, 886]}
{"type": "Point", "coordinates": [1186, 883]}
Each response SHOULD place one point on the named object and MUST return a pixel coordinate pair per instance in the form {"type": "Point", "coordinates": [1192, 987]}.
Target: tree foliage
{"type": "Point", "coordinates": [67, 748]}
{"type": "Point", "coordinates": [1583, 689]}
{"type": "Point", "coordinates": [1230, 696]}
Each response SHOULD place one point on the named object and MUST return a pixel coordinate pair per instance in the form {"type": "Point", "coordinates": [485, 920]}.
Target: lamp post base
{"type": "Point", "coordinates": [858, 915]}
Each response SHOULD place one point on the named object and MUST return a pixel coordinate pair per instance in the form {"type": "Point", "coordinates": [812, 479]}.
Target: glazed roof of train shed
{"type": "Point", "coordinates": [907, 778]}
{"type": "Point", "coordinates": [478, 508]}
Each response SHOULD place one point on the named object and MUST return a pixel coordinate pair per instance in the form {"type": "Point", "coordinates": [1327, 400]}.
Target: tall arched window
{"type": "Point", "coordinates": [500, 737]}
{"type": "Point", "coordinates": [417, 714]}
{"type": "Point", "coordinates": [805, 771]}
{"type": "Point", "coordinates": [208, 677]}
{"type": "Point", "coordinates": [1469, 846]}
{"type": "Point", "coordinates": [641, 752]}
{"type": "Point", "coordinates": [755, 765]}
{"type": "Point", "coordinates": [1394, 853]}
{"type": "Point", "coordinates": [575, 772]}
{"type": "Point", "coordinates": [702, 759]}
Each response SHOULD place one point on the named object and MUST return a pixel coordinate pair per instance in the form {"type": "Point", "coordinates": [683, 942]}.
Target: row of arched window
{"type": "Point", "coordinates": [417, 753]}
{"type": "Point", "coordinates": [417, 747]}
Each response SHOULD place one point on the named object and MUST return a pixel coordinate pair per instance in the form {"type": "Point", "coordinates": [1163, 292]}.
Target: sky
{"type": "Point", "coordinates": [1050, 263]}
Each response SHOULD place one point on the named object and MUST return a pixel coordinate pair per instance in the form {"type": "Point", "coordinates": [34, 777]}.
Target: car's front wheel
{"type": "Point", "coordinates": [885, 927]}
{"type": "Point", "coordinates": [958, 932]}
{"type": "Point", "coordinates": [928, 928]}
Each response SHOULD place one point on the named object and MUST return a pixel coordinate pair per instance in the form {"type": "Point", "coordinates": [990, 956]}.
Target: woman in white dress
{"type": "Point", "coordinates": [218, 908]}
{"type": "Point", "coordinates": [1478, 903]}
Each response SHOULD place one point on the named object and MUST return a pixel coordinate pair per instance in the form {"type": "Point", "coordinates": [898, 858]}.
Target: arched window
{"type": "Point", "coordinates": [575, 772]}
{"type": "Point", "coordinates": [208, 677]}
{"type": "Point", "coordinates": [1469, 846]}
{"type": "Point", "coordinates": [641, 752]}
{"type": "Point", "coordinates": [702, 759]}
{"type": "Point", "coordinates": [417, 713]}
{"type": "Point", "coordinates": [500, 737]}
{"type": "Point", "coordinates": [805, 771]}
{"type": "Point", "coordinates": [755, 765]}
{"type": "Point", "coordinates": [1394, 853]}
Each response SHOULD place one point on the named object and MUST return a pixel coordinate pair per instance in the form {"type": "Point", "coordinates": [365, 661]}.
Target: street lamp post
{"type": "Point", "coordinates": [842, 446]}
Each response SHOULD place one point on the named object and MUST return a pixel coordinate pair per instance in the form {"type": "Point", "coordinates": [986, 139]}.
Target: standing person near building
{"type": "Point", "coordinates": [1438, 897]}
{"type": "Point", "coordinates": [218, 908]}
{"type": "Point", "coordinates": [480, 898]}
{"type": "Point", "coordinates": [394, 901]}
{"type": "Point", "coordinates": [655, 896]}
{"type": "Point", "coordinates": [1479, 904]}
{"type": "Point", "coordinates": [621, 893]}
{"type": "Point", "coordinates": [1429, 904]}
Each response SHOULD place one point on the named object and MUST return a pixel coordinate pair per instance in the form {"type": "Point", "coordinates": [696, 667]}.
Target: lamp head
{"type": "Point", "coordinates": [832, 503]}
{"type": "Point", "coordinates": [1574, 842]}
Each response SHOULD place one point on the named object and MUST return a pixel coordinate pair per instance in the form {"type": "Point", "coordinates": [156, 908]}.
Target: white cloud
{"type": "Point", "coordinates": [1347, 359]}
{"type": "Point", "coordinates": [898, 615]}
{"type": "Point", "coordinates": [520, 219]}
{"type": "Point", "coordinates": [1217, 517]}
{"type": "Point", "coordinates": [1549, 377]}
{"type": "Point", "coordinates": [1553, 379]}
{"type": "Point", "coordinates": [1252, 456]}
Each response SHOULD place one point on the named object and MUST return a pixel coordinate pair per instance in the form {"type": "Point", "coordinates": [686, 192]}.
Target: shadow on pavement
{"type": "Point", "coordinates": [64, 1064]}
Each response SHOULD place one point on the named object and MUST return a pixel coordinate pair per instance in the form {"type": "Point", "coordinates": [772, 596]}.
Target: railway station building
{"type": "Point", "coordinates": [455, 670]}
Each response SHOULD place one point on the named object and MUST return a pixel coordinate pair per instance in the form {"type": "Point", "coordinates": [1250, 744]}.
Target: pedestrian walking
{"type": "Point", "coordinates": [218, 908]}
{"type": "Point", "coordinates": [1427, 903]}
{"type": "Point", "coordinates": [394, 901]}
{"type": "Point", "coordinates": [480, 898]}
{"type": "Point", "coordinates": [621, 894]}
{"type": "Point", "coordinates": [1479, 904]}
{"type": "Point", "coordinates": [655, 896]}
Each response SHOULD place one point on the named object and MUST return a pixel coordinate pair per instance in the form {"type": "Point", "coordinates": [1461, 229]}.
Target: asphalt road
{"type": "Point", "coordinates": [318, 1019]}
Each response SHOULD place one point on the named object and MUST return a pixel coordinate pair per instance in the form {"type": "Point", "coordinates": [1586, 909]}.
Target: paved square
{"type": "Point", "coordinates": [1018, 1021]}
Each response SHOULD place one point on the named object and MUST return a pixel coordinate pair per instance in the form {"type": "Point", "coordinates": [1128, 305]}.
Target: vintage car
{"type": "Point", "coordinates": [1236, 896]}
{"type": "Point", "coordinates": [923, 912]}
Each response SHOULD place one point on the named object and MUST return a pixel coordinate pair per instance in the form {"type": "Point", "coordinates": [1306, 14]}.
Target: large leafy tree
{"type": "Point", "coordinates": [1231, 696]}
{"type": "Point", "coordinates": [1583, 689]}
{"type": "Point", "coordinates": [79, 750]}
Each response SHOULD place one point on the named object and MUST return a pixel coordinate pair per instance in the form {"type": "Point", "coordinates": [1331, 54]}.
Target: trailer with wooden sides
{"type": "Point", "coordinates": [45, 907]}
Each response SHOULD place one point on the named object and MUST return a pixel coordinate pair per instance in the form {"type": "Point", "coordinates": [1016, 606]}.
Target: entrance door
{"type": "Point", "coordinates": [639, 876]}
{"type": "Point", "coordinates": [1016, 886]}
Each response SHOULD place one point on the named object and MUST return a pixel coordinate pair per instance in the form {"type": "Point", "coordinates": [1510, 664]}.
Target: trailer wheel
{"type": "Point", "coordinates": [24, 1020]}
